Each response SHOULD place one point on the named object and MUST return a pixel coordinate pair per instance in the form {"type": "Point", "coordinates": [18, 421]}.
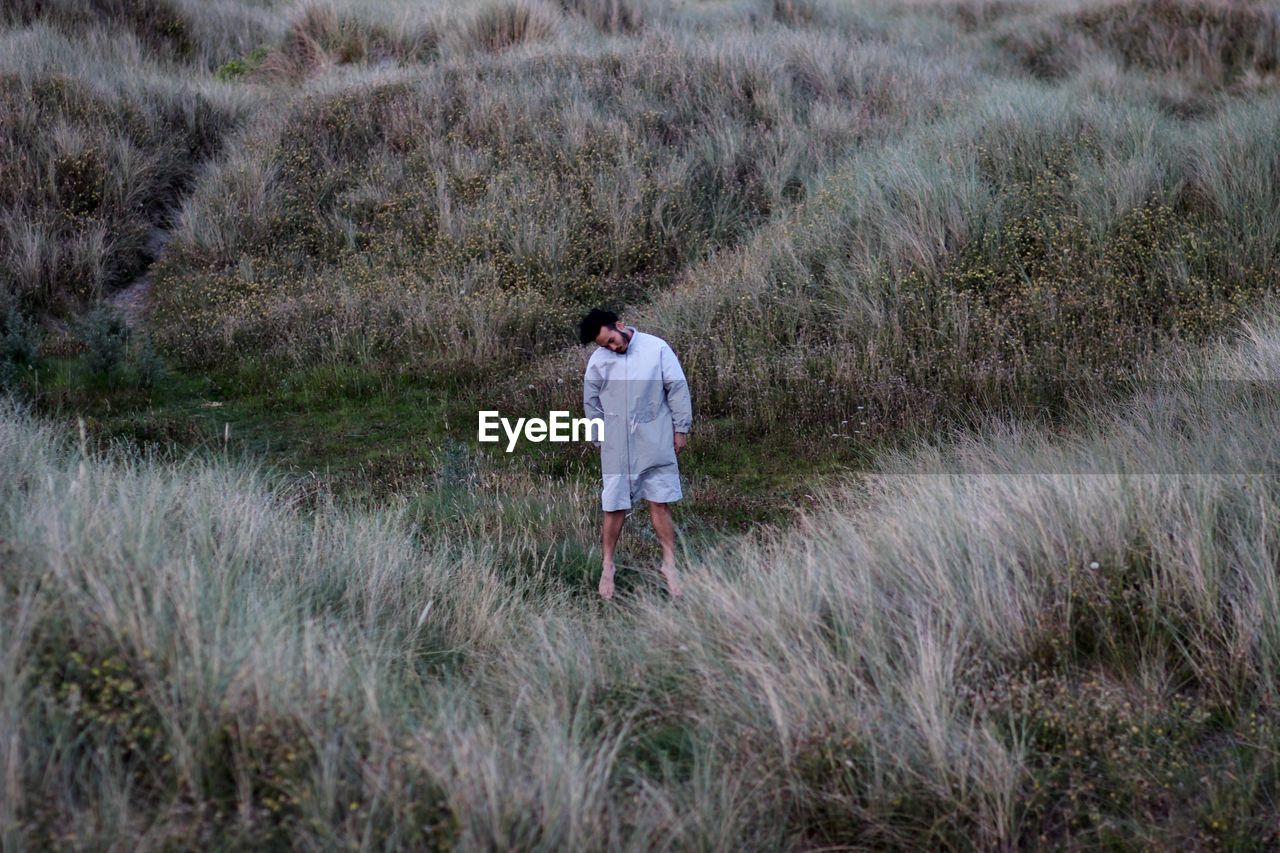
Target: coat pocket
{"type": "Point", "coordinates": [646, 411]}
{"type": "Point", "coordinates": [654, 445]}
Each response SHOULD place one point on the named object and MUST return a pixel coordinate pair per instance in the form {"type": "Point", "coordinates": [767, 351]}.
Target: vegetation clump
{"type": "Point", "coordinates": [242, 66]}
{"type": "Point", "coordinates": [507, 23]}
{"type": "Point", "coordinates": [20, 340]}
{"type": "Point", "coordinates": [1206, 45]}
{"type": "Point", "coordinates": [160, 25]}
{"type": "Point", "coordinates": [106, 336]}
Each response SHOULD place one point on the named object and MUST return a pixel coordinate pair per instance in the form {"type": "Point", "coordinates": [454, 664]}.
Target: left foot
{"type": "Point", "coordinates": [673, 584]}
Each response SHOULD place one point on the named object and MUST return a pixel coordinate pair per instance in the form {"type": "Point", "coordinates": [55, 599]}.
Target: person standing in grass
{"type": "Point", "coordinates": [635, 385]}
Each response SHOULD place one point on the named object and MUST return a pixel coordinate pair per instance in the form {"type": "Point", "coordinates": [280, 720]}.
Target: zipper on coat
{"type": "Point", "coordinates": [626, 363]}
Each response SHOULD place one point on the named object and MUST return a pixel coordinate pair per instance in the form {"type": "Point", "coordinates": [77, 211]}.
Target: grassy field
{"type": "Point", "coordinates": [976, 303]}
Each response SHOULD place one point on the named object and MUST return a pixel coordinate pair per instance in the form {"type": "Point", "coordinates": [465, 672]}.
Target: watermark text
{"type": "Point", "coordinates": [559, 427]}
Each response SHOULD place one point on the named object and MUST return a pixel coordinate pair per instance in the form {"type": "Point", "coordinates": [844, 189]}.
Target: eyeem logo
{"type": "Point", "coordinates": [559, 428]}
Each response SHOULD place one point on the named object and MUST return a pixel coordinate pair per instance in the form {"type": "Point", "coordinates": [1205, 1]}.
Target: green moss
{"type": "Point", "coordinates": [241, 66]}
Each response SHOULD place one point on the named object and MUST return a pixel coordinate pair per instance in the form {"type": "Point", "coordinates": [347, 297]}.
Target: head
{"type": "Point", "coordinates": [605, 329]}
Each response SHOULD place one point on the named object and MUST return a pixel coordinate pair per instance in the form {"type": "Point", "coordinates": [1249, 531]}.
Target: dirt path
{"type": "Point", "coordinates": [134, 299]}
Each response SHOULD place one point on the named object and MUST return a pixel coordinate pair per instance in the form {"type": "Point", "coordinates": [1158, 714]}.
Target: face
{"type": "Point", "coordinates": [614, 338]}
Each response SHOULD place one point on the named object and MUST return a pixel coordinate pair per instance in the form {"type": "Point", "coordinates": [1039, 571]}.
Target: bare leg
{"type": "Point", "coordinates": [663, 526]}
{"type": "Point", "coordinates": [612, 530]}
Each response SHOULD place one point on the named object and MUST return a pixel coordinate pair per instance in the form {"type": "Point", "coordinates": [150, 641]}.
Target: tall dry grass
{"type": "Point", "coordinates": [1041, 241]}
{"type": "Point", "coordinates": [98, 141]}
{"type": "Point", "coordinates": [841, 215]}
{"type": "Point", "coordinates": [412, 211]}
{"type": "Point", "coordinates": [1014, 638]}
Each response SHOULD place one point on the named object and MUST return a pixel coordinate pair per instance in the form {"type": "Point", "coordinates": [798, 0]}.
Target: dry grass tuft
{"type": "Point", "coordinates": [609, 16]}
{"type": "Point", "coordinates": [509, 23]}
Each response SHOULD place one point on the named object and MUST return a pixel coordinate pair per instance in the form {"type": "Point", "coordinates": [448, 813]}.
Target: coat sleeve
{"type": "Point", "coordinates": [677, 390]}
{"type": "Point", "coordinates": [591, 385]}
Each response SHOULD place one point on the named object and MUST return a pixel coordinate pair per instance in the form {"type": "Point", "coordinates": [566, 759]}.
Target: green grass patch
{"type": "Point", "coordinates": [366, 434]}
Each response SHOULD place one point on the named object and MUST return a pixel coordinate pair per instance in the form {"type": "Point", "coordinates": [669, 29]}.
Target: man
{"type": "Point", "coordinates": [635, 384]}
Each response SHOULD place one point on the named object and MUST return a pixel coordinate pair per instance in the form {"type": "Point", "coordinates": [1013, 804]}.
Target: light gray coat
{"type": "Point", "coordinates": [643, 399]}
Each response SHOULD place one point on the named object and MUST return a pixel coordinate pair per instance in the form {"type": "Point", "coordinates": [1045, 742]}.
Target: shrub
{"type": "Point", "coordinates": [106, 336]}
{"type": "Point", "coordinates": [149, 367]}
{"type": "Point", "coordinates": [19, 343]}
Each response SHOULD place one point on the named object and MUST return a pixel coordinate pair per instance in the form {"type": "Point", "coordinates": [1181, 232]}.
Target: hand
{"type": "Point", "coordinates": [681, 440]}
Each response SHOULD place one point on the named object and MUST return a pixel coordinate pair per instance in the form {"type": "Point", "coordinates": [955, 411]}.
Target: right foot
{"type": "Point", "coordinates": [606, 583]}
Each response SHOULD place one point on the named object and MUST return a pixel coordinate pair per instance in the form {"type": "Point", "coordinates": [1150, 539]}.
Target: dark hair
{"type": "Point", "coordinates": [592, 323]}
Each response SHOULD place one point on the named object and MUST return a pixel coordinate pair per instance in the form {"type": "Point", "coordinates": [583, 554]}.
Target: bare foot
{"type": "Point", "coordinates": [606, 583]}
{"type": "Point", "coordinates": [673, 583]}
